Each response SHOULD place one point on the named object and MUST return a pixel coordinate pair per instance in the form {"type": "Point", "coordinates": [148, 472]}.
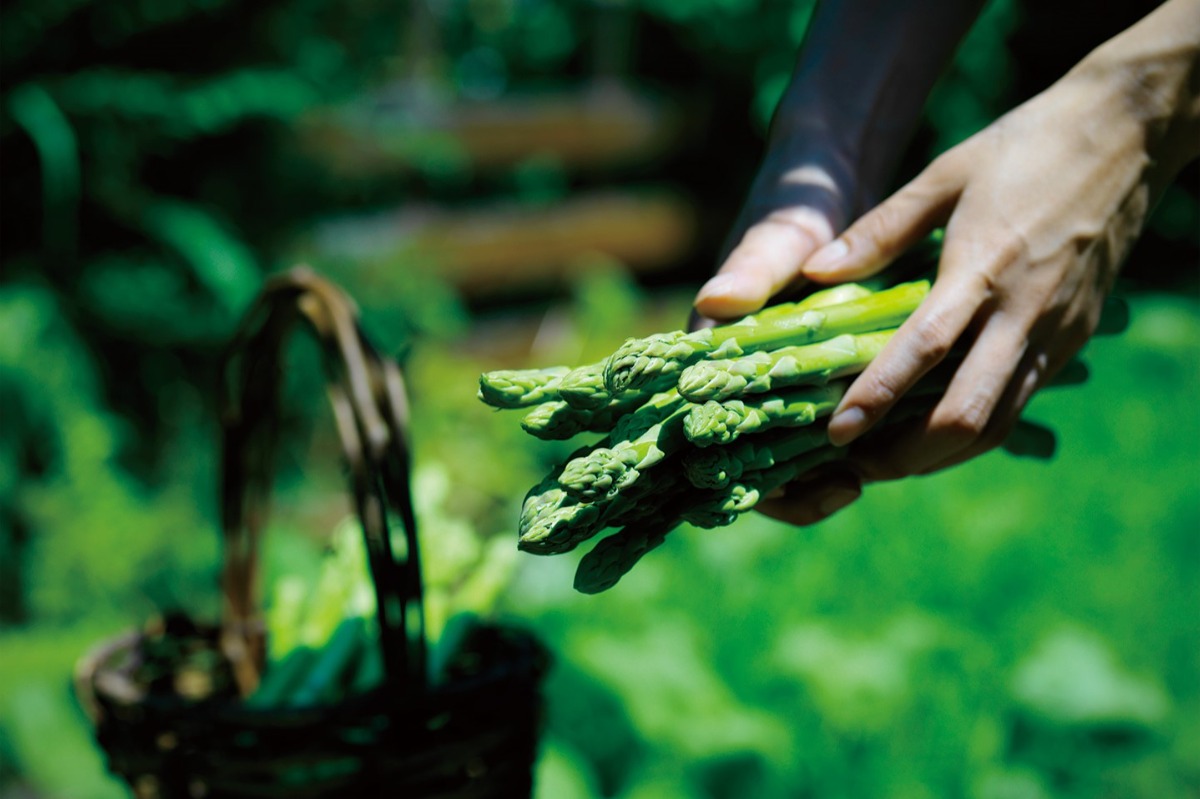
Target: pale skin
{"type": "Point", "coordinates": [1039, 210]}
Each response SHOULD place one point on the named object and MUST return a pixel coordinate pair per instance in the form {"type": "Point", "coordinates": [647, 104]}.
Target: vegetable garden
{"type": "Point", "coordinates": [1015, 627]}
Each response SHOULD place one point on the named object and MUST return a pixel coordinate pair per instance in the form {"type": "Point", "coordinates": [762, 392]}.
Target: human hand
{"type": "Point", "coordinates": [1040, 209]}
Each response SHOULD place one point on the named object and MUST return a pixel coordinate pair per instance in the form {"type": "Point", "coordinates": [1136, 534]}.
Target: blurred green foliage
{"type": "Point", "coordinates": [1005, 630]}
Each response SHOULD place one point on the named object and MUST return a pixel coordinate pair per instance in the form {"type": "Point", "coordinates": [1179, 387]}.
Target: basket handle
{"type": "Point", "coordinates": [367, 396]}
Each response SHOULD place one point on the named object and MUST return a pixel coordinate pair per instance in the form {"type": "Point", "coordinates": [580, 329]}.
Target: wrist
{"type": "Point", "coordinates": [1153, 69]}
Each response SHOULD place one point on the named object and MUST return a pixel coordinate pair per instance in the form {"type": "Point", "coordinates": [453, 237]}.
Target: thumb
{"type": "Point", "coordinates": [765, 261]}
{"type": "Point", "coordinates": [885, 232]}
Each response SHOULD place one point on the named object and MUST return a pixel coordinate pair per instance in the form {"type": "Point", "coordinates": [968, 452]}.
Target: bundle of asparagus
{"type": "Point", "coordinates": [699, 426]}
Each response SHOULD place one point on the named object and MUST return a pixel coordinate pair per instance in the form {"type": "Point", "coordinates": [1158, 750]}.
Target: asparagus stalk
{"type": "Point", "coordinates": [562, 528]}
{"type": "Point", "coordinates": [808, 364]}
{"type": "Point", "coordinates": [584, 388]}
{"type": "Point", "coordinates": [608, 470]}
{"type": "Point", "coordinates": [561, 525]}
{"type": "Point", "coordinates": [323, 681]}
{"type": "Point", "coordinates": [282, 679]}
{"type": "Point", "coordinates": [834, 295]}
{"type": "Point", "coordinates": [722, 422]}
{"type": "Point", "coordinates": [643, 528]}
{"type": "Point", "coordinates": [558, 421]}
{"type": "Point", "coordinates": [720, 509]}
{"type": "Point", "coordinates": [717, 467]}
{"type": "Point", "coordinates": [724, 505]}
{"type": "Point", "coordinates": [614, 556]}
{"type": "Point", "coordinates": [544, 498]}
{"type": "Point", "coordinates": [520, 388]}
{"type": "Point", "coordinates": [657, 409]}
{"type": "Point", "coordinates": [655, 362]}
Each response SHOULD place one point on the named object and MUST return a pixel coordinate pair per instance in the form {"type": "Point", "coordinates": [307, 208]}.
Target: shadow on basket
{"type": "Point", "coordinates": [181, 707]}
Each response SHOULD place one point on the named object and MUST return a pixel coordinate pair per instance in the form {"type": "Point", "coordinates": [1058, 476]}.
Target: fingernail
{"type": "Point", "coordinates": [826, 258]}
{"type": "Point", "coordinates": [835, 500]}
{"type": "Point", "coordinates": [719, 286]}
{"type": "Point", "coordinates": [847, 425]}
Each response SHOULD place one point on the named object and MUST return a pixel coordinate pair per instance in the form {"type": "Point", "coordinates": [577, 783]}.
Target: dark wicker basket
{"type": "Point", "coordinates": [473, 735]}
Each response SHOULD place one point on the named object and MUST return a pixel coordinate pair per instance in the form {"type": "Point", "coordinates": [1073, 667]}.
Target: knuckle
{"type": "Point", "coordinates": [966, 424]}
{"type": "Point", "coordinates": [947, 161]}
{"type": "Point", "coordinates": [875, 231]}
{"type": "Point", "coordinates": [875, 396]}
{"type": "Point", "coordinates": [948, 167]}
{"type": "Point", "coordinates": [932, 338]}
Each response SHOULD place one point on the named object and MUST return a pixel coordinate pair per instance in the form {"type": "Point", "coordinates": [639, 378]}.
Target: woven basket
{"type": "Point", "coordinates": [166, 701]}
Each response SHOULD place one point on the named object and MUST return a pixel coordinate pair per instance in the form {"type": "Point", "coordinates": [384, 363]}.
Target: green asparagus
{"type": "Point", "coordinates": [722, 422]}
{"type": "Point", "coordinates": [637, 441]}
{"type": "Point", "coordinates": [736, 498]}
{"type": "Point", "coordinates": [584, 388]}
{"type": "Point", "coordinates": [717, 467]}
{"type": "Point", "coordinates": [557, 420]}
{"type": "Point", "coordinates": [612, 558]}
{"type": "Point", "coordinates": [520, 388]}
{"type": "Point", "coordinates": [699, 426]}
{"type": "Point", "coordinates": [654, 362]}
{"type": "Point", "coordinates": [809, 364]}
{"type": "Point", "coordinates": [562, 528]}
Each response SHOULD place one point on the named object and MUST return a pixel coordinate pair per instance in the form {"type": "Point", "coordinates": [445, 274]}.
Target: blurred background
{"type": "Point", "coordinates": [510, 183]}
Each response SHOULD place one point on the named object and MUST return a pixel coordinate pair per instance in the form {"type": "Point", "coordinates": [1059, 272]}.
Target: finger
{"type": "Point", "coordinates": [921, 343]}
{"type": "Point", "coordinates": [1037, 369]}
{"type": "Point", "coordinates": [766, 261]}
{"type": "Point", "coordinates": [962, 419]}
{"type": "Point", "coordinates": [882, 234]}
{"type": "Point", "coordinates": [1058, 337]}
{"type": "Point", "coordinates": [811, 501]}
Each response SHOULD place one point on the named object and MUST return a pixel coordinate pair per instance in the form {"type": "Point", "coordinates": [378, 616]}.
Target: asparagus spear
{"type": "Point", "coordinates": [562, 528]}
{"type": "Point", "coordinates": [282, 679]}
{"type": "Point", "coordinates": [655, 362]}
{"type": "Point", "coordinates": [834, 295]}
{"type": "Point", "coordinates": [721, 509]}
{"type": "Point", "coordinates": [722, 506]}
{"type": "Point", "coordinates": [556, 420]}
{"type": "Point", "coordinates": [642, 530]}
{"type": "Point", "coordinates": [561, 525]}
{"type": "Point", "coordinates": [520, 388]}
{"type": "Point", "coordinates": [583, 387]}
{"type": "Point", "coordinates": [808, 364]}
{"type": "Point", "coordinates": [717, 467]}
{"type": "Point", "coordinates": [722, 422]}
{"type": "Point", "coordinates": [614, 556]}
{"type": "Point", "coordinates": [608, 470]}
{"type": "Point", "coordinates": [323, 681]}
{"type": "Point", "coordinates": [544, 498]}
